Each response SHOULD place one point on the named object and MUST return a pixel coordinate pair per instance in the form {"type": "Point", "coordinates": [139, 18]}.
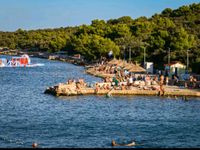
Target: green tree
{"type": "Point", "coordinates": [94, 46]}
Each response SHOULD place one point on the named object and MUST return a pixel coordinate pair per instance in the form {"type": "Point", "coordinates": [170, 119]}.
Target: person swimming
{"type": "Point", "coordinates": [130, 144]}
{"type": "Point", "coordinates": [34, 145]}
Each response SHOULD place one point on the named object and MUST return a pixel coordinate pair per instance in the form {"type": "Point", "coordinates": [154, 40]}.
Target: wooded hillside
{"type": "Point", "coordinates": [177, 30]}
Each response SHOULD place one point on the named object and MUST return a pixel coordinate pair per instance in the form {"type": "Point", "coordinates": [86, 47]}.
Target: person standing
{"type": "Point", "coordinates": [161, 83]}
{"type": "Point", "coordinates": [167, 80]}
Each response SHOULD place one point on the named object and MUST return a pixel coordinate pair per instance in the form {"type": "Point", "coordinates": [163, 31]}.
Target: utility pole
{"type": "Point", "coordinates": [129, 54]}
{"type": "Point", "coordinates": [144, 57]}
{"type": "Point", "coordinates": [124, 51]}
{"type": "Point", "coordinates": [169, 60]}
{"type": "Point", "coordinates": [187, 60]}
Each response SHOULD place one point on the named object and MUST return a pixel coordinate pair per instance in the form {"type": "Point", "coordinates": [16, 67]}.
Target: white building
{"type": "Point", "coordinates": [149, 67]}
{"type": "Point", "coordinates": [176, 67]}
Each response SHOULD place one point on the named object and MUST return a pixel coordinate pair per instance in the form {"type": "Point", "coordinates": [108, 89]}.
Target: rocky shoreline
{"type": "Point", "coordinates": [108, 88]}
{"type": "Point", "coordinates": [62, 90]}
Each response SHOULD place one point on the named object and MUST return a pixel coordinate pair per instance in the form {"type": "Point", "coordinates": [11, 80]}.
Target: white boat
{"type": "Point", "coordinates": [23, 61]}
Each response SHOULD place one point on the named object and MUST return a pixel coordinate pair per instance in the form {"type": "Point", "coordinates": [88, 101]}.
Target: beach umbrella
{"type": "Point", "coordinates": [121, 63]}
{"type": "Point", "coordinates": [113, 62]}
{"type": "Point", "coordinates": [137, 68]}
{"type": "Point", "coordinates": [129, 66]}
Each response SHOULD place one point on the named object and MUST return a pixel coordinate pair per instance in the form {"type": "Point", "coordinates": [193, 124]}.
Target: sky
{"type": "Point", "coordinates": [40, 14]}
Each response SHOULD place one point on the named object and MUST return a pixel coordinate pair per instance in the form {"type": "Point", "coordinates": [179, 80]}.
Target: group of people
{"type": "Point", "coordinates": [79, 83]}
{"type": "Point", "coordinates": [128, 81]}
{"type": "Point", "coordinates": [122, 79]}
{"type": "Point", "coordinates": [123, 75]}
{"type": "Point", "coordinates": [73, 85]}
{"type": "Point", "coordinates": [120, 82]}
{"type": "Point", "coordinates": [192, 83]}
{"type": "Point", "coordinates": [107, 69]}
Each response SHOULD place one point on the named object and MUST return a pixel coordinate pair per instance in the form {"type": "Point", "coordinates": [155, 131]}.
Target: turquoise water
{"type": "Point", "coordinates": [28, 115]}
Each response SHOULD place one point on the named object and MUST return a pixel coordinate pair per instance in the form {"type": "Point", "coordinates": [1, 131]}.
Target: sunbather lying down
{"type": "Point", "coordinates": [130, 144]}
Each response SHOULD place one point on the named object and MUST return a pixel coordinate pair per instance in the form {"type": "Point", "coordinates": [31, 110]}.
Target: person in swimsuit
{"type": "Point", "coordinates": [130, 144]}
{"type": "Point", "coordinates": [161, 83]}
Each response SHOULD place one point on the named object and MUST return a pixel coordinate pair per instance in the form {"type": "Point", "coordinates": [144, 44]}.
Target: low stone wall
{"type": "Point", "coordinates": [63, 90]}
{"type": "Point", "coordinates": [182, 83]}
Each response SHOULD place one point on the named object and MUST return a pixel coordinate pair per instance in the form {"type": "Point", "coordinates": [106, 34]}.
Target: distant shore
{"type": "Point", "coordinates": [51, 56]}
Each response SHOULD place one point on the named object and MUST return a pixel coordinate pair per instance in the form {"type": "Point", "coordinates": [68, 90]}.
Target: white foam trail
{"type": "Point", "coordinates": [30, 65]}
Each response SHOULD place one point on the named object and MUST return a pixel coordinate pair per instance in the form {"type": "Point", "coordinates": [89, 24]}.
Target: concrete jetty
{"type": "Point", "coordinates": [66, 90]}
{"type": "Point", "coordinates": [115, 83]}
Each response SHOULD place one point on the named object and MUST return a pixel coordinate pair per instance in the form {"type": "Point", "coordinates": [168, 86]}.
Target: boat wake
{"type": "Point", "coordinates": [23, 61]}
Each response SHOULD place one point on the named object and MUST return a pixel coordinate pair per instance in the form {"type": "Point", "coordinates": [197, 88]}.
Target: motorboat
{"type": "Point", "coordinates": [20, 61]}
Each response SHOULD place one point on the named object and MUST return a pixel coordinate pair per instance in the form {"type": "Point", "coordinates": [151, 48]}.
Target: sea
{"type": "Point", "coordinates": [27, 115]}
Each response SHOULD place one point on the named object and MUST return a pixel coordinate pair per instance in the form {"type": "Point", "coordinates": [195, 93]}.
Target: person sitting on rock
{"type": "Point", "coordinates": [123, 87]}
{"type": "Point", "coordinates": [176, 80]}
{"type": "Point", "coordinates": [78, 86]}
{"type": "Point", "coordinates": [194, 83]}
{"type": "Point", "coordinates": [97, 87]}
{"type": "Point", "coordinates": [104, 86]}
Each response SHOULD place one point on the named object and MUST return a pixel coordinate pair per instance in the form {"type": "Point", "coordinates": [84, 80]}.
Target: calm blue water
{"type": "Point", "coordinates": [28, 115]}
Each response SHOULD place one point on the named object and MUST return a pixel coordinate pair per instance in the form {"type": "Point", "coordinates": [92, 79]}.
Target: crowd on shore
{"type": "Point", "coordinates": [129, 81]}
{"type": "Point", "coordinates": [123, 79]}
{"type": "Point", "coordinates": [123, 75]}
